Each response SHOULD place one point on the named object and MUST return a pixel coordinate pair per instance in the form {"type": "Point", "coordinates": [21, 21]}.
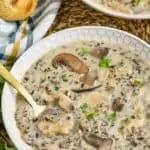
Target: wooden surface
{"type": "Point", "coordinates": [75, 13]}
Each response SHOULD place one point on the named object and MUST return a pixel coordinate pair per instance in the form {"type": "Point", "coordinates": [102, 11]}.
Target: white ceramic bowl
{"type": "Point", "coordinates": [42, 47]}
{"type": "Point", "coordinates": [114, 13]}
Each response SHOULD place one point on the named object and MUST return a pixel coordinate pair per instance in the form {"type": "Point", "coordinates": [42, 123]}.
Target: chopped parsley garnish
{"type": "Point", "coordinates": [64, 77]}
{"type": "Point", "coordinates": [112, 116]}
{"type": "Point", "coordinates": [84, 106]}
{"type": "Point", "coordinates": [126, 120]}
{"type": "Point", "coordinates": [137, 2]}
{"type": "Point", "coordinates": [104, 63]}
{"type": "Point", "coordinates": [138, 83]}
{"type": "Point", "coordinates": [92, 115]}
{"type": "Point", "coordinates": [85, 50]}
{"type": "Point", "coordinates": [56, 88]}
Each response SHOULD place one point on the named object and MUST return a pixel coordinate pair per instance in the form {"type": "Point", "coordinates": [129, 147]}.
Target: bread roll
{"type": "Point", "coordinates": [13, 10]}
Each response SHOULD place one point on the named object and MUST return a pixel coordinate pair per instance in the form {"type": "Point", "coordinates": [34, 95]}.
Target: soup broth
{"type": "Point", "coordinates": [97, 95]}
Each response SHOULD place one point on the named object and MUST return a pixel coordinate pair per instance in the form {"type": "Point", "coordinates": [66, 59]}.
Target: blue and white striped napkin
{"type": "Point", "coordinates": [17, 37]}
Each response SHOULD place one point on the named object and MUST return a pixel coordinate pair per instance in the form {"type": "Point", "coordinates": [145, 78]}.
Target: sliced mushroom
{"type": "Point", "coordinates": [89, 78]}
{"type": "Point", "coordinates": [94, 99]}
{"type": "Point", "coordinates": [64, 101]}
{"type": "Point", "coordinates": [80, 90]}
{"type": "Point", "coordinates": [61, 127]}
{"type": "Point", "coordinates": [72, 61]}
{"type": "Point", "coordinates": [50, 96]}
{"type": "Point", "coordinates": [100, 52]}
{"type": "Point", "coordinates": [98, 142]}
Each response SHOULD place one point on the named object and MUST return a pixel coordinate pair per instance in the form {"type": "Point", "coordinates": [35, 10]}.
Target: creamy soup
{"type": "Point", "coordinates": [97, 95]}
{"type": "Point", "coordinates": [127, 6]}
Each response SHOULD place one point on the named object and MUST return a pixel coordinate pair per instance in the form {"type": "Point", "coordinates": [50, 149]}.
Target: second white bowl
{"type": "Point", "coordinates": [114, 13]}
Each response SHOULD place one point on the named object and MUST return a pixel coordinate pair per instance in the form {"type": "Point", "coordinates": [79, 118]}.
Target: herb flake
{"type": "Point", "coordinates": [138, 83]}
{"type": "Point", "coordinates": [137, 2]}
{"type": "Point", "coordinates": [64, 77]}
{"type": "Point", "coordinates": [104, 63]}
{"type": "Point", "coordinates": [89, 113]}
{"type": "Point", "coordinates": [112, 116]}
{"type": "Point", "coordinates": [85, 50]}
{"type": "Point", "coordinates": [84, 106]}
{"type": "Point", "coordinates": [92, 115]}
{"type": "Point", "coordinates": [56, 88]}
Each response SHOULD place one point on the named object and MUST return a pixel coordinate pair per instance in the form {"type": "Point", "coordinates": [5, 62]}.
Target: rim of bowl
{"type": "Point", "coordinates": [30, 50]}
{"type": "Point", "coordinates": [113, 13]}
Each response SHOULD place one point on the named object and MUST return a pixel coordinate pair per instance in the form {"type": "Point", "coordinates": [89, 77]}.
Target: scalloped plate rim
{"type": "Point", "coordinates": [21, 62]}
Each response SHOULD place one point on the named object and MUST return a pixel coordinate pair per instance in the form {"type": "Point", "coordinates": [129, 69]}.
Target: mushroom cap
{"type": "Point", "coordinates": [95, 141]}
{"type": "Point", "coordinates": [13, 10]}
{"type": "Point", "coordinates": [72, 61]}
{"type": "Point", "coordinates": [80, 90]}
{"type": "Point", "coordinates": [89, 78]}
{"type": "Point", "coordinates": [64, 102]}
{"type": "Point", "coordinates": [99, 52]}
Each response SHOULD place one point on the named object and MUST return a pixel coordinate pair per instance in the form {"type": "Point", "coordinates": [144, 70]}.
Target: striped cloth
{"type": "Point", "coordinates": [17, 37]}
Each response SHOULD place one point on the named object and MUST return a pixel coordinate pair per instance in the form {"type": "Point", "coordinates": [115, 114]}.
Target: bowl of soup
{"type": "Point", "coordinates": [95, 82]}
{"type": "Point", "coordinates": [128, 9]}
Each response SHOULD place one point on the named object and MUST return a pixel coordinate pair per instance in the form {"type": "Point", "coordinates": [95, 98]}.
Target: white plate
{"type": "Point", "coordinates": [114, 13]}
{"type": "Point", "coordinates": [51, 42]}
